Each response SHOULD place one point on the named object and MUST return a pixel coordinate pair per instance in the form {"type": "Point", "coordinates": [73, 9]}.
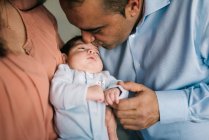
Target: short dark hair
{"type": "Point", "coordinates": [117, 6]}
{"type": "Point", "coordinates": [70, 44]}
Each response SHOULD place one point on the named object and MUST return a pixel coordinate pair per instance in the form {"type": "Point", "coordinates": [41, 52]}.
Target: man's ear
{"type": "Point", "coordinates": [64, 57]}
{"type": "Point", "coordinates": [133, 8]}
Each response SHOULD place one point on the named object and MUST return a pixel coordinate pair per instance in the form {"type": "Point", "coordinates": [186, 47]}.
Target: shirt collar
{"type": "Point", "coordinates": [151, 6]}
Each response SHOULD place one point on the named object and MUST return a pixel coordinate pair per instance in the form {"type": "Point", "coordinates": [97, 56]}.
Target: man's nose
{"type": "Point", "coordinates": [87, 37]}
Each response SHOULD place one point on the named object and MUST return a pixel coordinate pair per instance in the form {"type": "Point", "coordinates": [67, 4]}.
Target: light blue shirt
{"type": "Point", "coordinates": [169, 53]}
{"type": "Point", "coordinates": [75, 117]}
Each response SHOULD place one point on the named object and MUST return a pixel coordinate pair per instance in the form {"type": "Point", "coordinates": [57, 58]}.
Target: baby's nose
{"type": "Point", "coordinates": [91, 51]}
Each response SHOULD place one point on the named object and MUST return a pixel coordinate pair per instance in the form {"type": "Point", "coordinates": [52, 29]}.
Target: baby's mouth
{"type": "Point", "coordinates": [92, 58]}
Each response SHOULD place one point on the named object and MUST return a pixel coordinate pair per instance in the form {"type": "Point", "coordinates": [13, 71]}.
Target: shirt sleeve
{"type": "Point", "coordinates": [191, 103]}
{"type": "Point", "coordinates": [65, 93]}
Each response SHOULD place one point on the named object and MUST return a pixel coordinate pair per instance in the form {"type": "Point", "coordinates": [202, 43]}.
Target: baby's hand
{"type": "Point", "coordinates": [112, 96]}
{"type": "Point", "coordinates": [95, 93]}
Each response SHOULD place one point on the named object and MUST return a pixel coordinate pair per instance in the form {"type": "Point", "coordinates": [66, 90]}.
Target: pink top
{"type": "Point", "coordinates": [25, 112]}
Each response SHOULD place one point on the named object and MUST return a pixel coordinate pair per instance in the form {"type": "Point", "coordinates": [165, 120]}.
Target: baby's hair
{"type": "Point", "coordinates": [69, 45]}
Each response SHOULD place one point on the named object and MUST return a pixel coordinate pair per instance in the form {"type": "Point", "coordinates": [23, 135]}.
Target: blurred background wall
{"type": "Point", "coordinates": [66, 29]}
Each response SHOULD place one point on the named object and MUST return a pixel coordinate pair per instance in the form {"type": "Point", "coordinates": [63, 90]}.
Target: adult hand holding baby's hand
{"type": "Point", "coordinates": [140, 111]}
{"type": "Point", "coordinates": [95, 93]}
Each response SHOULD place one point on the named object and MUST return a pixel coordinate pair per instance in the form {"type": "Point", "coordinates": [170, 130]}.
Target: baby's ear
{"type": "Point", "coordinates": [64, 57]}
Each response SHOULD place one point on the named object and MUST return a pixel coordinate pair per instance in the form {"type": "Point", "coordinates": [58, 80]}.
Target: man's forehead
{"type": "Point", "coordinates": [86, 19]}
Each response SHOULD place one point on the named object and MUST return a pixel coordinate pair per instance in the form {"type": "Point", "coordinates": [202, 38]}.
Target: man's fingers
{"type": "Point", "coordinates": [131, 124]}
{"type": "Point", "coordinates": [131, 86]}
{"type": "Point", "coordinates": [126, 104]}
{"type": "Point", "coordinates": [131, 114]}
{"type": "Point", "coordinates": [128, 121]}
{"type": "Point", "coordinates": [134, 124]}
{"type": "Point", "coordinates": [131, 127]}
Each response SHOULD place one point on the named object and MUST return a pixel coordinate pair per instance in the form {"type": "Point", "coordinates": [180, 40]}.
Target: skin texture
{"type": "Point", "coordinates": [109, 29]}
{"type": "Point", "coordinates": [85, 57]}
{"type": "Point", "coordinates": [101, 27]}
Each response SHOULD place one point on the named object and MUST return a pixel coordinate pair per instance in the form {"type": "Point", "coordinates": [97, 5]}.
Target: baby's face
{"type": "Point", "coordinates": [85, 57]}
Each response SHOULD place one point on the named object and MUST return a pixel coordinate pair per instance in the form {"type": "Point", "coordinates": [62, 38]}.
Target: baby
{"type": "Point", "coordinates": [80, 91]}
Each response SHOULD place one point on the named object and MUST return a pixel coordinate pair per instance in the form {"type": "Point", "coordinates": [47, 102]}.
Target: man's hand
{"type": "Point", "coordinates": [140, 111]}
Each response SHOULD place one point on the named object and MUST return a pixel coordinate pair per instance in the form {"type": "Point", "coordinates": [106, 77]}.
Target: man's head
{"type": "Point", "coordinates": [117, 6]}
{"type": "Point", "coordinates": [106, 23]}
{"type": "Point", "coordinates": [82, 56]}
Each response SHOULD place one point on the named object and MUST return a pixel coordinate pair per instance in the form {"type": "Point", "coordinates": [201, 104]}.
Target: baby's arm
{"type": "Point", "coordinates": [95, 93]}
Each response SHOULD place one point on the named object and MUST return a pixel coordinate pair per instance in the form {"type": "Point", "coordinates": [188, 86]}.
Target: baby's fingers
{"type": "Point", "coordinates": [117, 98]}
{"type": "Point", "coordinates": [108, 99]}
{"type": "Point", "coordinates": [114, 98]}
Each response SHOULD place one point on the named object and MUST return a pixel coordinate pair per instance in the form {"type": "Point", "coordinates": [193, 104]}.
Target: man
{"type": "Point", "coordinates": [163, 46]}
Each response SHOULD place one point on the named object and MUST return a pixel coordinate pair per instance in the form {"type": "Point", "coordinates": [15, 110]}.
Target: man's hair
{"type": "Point", "coordinates": [117, 6]}
{"type": "Point", "coordinates": [70, 44]}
